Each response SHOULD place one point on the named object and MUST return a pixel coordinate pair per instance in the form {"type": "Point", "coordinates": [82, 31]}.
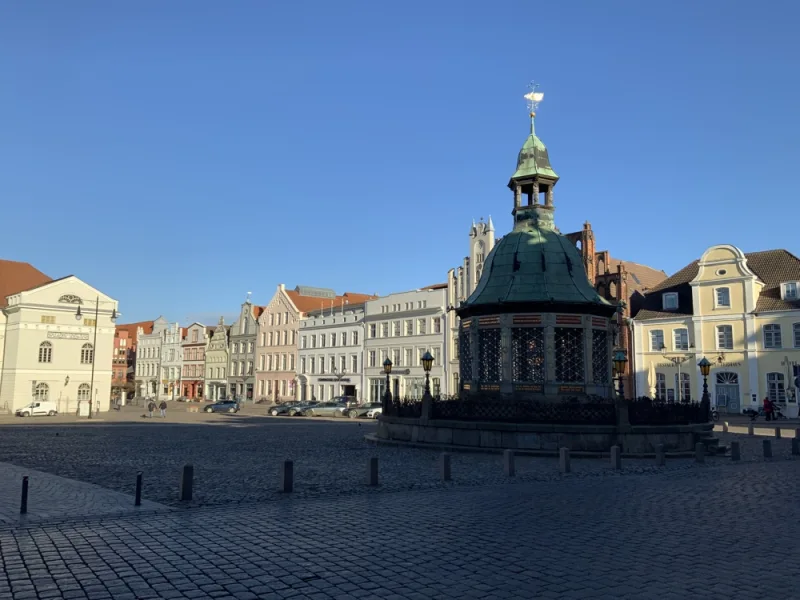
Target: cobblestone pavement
{"type": "Point", "coordinates": [53, 497]}
{"type": "Point", "coordinates": [239, 462]}
{"type": "Point", "coordinates": [687, 534]}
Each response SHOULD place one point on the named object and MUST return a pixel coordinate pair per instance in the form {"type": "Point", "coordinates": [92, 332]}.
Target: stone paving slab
{"type": "Point", "coordinates": [51, 497]}
{"type": "Point", "coordinates": [687, 534]}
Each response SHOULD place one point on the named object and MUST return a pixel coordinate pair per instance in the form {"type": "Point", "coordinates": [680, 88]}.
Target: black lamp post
{"type": "Point", "coordinates": [619, 369]}
{"type": "Point", "coordinates": [427, 363]}
{"type": "Point", "coordinates": [387, 368]}
{"type": "Point", "coordinates": [705, 368]}
{"type": "Point", "coordinates": [78, 317]}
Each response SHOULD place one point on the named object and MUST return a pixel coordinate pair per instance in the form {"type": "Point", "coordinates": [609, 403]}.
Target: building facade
{"type": "Point", "coordinates": [194, 346]}
{"type": "Point", "coordinates": [148, 358]}
{"type": "Point", "coordinates": [119, 366]}
{"type": "Point", "coordinates": [216, 362]}
{"type": "Point", "coordinates": [740, 311]}
{"type": "Point", "coordinates": [49, 342]}
{"type": "Point", "coordinates": [331, 354]}
{"type": "Point", "coordinates": [461, 282]}
{"type": "Point", "coordinates": [132, 330]}
{"type": "Point", "coordinates": [242, 352]}
{"type": "Point", "coordinates": [171, 362]}
{"type": "Point", "coordinates": [402, 327]}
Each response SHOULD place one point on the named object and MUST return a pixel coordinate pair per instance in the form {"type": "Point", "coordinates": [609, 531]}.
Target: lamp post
{"type": "Point", "coordinates": [78, 317]}
{"type": "Point", "coordinates": [387, 368]}
{"type": "Point", "coordinates": [677, 361]}
{"type": "Point", "coordinates": [339, 376]}
{"type": "Point", "coordinates": [620, 360]}
{"type": "Point", "coordinates": [427, 363]}
{"type": "Point", "coordinates": [705, 368]}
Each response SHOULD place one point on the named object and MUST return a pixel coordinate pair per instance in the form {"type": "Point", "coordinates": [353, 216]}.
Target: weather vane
{"type": "Point", "coordinates": [534, 97]}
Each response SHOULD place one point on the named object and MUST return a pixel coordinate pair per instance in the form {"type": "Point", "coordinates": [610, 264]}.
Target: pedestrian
{"type": "Point", "coordinates": [769, 408]}
{"type": "Point", "coordinates": [150, 408]}
{"type": "Point", "coordinates": [163, 407]}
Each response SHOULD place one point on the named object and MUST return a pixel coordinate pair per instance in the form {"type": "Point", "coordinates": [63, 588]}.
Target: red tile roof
{"type": "Point", "coordinates": [257, 310]}
{"type": "Point", "coordinates": [641, 277]}
{"type": "Point", "coordinates": [16, 277]}
{"type": "Point", "coordinates": [306, 304]}
{"type": "Point", "coordinates": [132, 329]}
{"type": "Point", "coordinates": [436, 286]}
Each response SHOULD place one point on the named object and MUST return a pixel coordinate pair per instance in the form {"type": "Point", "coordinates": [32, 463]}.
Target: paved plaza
{"type": "Point", "coordinates": [686, 530]}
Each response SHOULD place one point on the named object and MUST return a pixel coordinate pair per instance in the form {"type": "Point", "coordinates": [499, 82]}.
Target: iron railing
{"type": "Point", "coordinates": [646, 411]}
{"type": "Point", "coordinates": [403, 407]}
{"type": "Point", "coordinates": [517, 411]}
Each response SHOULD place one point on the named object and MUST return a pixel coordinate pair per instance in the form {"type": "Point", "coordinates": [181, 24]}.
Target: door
{"type": "Point", "coordinates": [37, 409]}
{"type": "Point", "coordinates": [727, 392]}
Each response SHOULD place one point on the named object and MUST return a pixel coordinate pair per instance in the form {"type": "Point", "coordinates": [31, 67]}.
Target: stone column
{"type": "Point", "coordinates": [517, 196]}
{"type": "Point", "coordinates": [548, 201]}
{"type": "Point", "coordinates": [535, 194]}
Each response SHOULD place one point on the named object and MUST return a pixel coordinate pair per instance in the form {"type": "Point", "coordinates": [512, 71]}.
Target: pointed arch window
{"type": "Point", "coordinates": [87, 354]}
{"type": "Point", "coordinates": [45, 352]}
{"type": "Point", "coordinates": [84, 392]}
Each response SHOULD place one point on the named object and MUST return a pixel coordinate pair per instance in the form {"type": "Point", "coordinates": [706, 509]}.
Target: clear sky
{"type": "Point", "coordinates": [178, 154]}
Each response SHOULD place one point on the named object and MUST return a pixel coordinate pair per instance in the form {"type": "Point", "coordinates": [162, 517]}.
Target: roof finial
{"type": "Point", "coordinates": [534, 97]}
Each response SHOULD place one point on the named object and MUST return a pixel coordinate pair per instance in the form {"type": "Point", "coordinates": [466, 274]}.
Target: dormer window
{"type": "Point", "coordinates": [723, 297]}
{"type": "Point", "coordinates": [669, 301]}
{"type": "Point", "coordinates": [790, 291]}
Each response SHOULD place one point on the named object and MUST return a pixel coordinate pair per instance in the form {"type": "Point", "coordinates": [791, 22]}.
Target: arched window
{"type": "Point", "coordinates": [87, 354]}
{"type": "Point", "coordinates": [84, 392]}
{"type": "Point", "coordinates": [41, 392]}
{"type": "Point", "coordinates": [45, 352]}
{"type": "Point", "coordinates": [612, 290]}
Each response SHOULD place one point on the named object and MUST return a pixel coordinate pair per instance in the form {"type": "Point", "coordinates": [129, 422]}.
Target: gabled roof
{"type": "Point", "coordinates": [16, 277]}
{"type": "Point", "coordinates": [305, 304]}
{"type": "Point", "coordinates": [641, 277]}
{"type": "Point", "coordinates": [772, 267]}
{"type": "Point", "coordinates": [133, 328]}
{"type": "Point", "coordinates": [436, 286]}
{"type": "Point", "coordinates": [258, 310]}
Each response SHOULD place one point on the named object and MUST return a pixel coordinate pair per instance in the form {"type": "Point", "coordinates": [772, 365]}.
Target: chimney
{"type": "Point", "coordinates": [281, 287]}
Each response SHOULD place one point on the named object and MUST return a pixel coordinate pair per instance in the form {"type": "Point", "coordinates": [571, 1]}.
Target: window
{"type": "Point", "coordinates": [269, 338]}
{"type": "Point", "coordinates": [322, 364]}
{"type": "Point", "coordinates": [656, 340]}
{"type": "Point", "coordinates": [384, 330]}
{"type": "Point", "coordinates": [421, 326]}
{"type": "Point", "coordinates": [333, 340]}
{"type": "Point", "coordinates": [278, 319]}
{"type": "Point", "coordinates": [409, 327]}
{"type": "Point", "coordinates": [355, 338]}
{"type": "Point", "coordinates": [372, 357]}
{"type": "Point", "coordinates": [681, 339]}
{"type": "Point", "coordinates": [342, 364]}
{"type": "Point", "coordinates": [90, 322]}
{"type": "Point", "coordinates": [302, 364]}
{"type": "Point", "coordinates": [286, 317]}
{"type": "Point", "coordinates": [313, 341]}
{"type": "Point", "coordinates": [772, 336]}
{"type": "Point", "coordinates": [661, 386]}
{"type": "Point", "coordinates": [775, 387]}
{"type": "Point", "coordinates": [669, 301]}
{"type": "Point", "coordinates": [373, 330]}
{"type": "Point", "coordinates": [291, 362]}
{"type": "Point", "coordinates": [437, 325]}
{"type": "Point", "coordinates": [194, 336]}
{"type": "Point", "coordinates": [45, 352]}
{"type": "Point", "coordinates": [437, 356]}
{"type": "Point", "coordinates": [250, 347]}
{"type": "Point", "coordinates": [685, 386]}
{"type": "Point", "coordinates": [436, 386]}
{"type": "Point", "coordinates": [42, 391]}
{"type": "Point", "coordinates": [789, 291]}
{"type": "Point", "coordinates": [354, 364]}
{"type": "Point", "coordinates": [283, 362]}
{"type": "Point", "coordinates": [396, 329]}
{"type": "Point", "coordinates": [322, 338]}
{"type": "Point", "coordinates": [344, 338]}
{"type": "Point", "coordinates": [49, 319]}
{"type": "Point", "coordinates": [396, 356]}
{"type": "Point", "coordinates": [311, 365]}
{"type": "Point", "coordinates": [724, 337]}
{"type": "Point", "coordinates": [723, 296]}
{"type": "Point", "coordinates": [796, 329]}
{"type": "Point", "coordinates": [409, 357]}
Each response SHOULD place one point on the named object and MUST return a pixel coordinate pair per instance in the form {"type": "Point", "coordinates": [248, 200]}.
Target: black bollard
{"type": "Point", "coordinates": [186, 483]}
{"type": "Point", "coordinates": [138, 500]}
{"type": "Point", "coordinates": [23, 505]}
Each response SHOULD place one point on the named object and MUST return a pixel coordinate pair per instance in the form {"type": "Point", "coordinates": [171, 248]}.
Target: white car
{"type": "Point", "coordinates": [37, 409]}
{"type": "Point", "coordinates": [373, 413]}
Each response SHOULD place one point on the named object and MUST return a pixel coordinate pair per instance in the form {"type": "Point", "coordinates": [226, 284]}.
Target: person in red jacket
{"type": "Point", "coordinates": [768, 408]}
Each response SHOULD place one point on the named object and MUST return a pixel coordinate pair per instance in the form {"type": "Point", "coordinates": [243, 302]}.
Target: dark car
{"type": "Point", "coordinates": [226, 406]}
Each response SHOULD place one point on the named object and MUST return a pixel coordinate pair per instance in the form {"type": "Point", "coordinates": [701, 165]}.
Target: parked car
{"type": "Point", "coordinates": [326, 409]}
{"type": "Point", "coordinates": [374, 413]}
{"type": "Point", "coordinates": [300, 410]}
{"type": "Point", "coordinates": [358, 412]}
{"type": "Point", "coordinates": [38, 409]}
{"type": "Point", "coordinates": [228, 406]}
{"type": "Point", "coordinates": [282, 408]}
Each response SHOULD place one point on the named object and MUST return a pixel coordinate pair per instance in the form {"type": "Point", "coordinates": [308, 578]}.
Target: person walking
{"type": "Point", "coordinates": [150, 408]}
{"type": "Point", "coordinates": [163, 407]}
{"type": "Point", "coordinates": [769, 408]}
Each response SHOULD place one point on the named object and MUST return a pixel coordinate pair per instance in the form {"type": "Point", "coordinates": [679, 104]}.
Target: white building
{"type": "Point", "coordinates": [172, 361]}
{"type": "Point", "coordinates": [402, 327]}
{"type": "Point", "coordinates": [51, 340]}
{"type": "Point", "coordinates": [330, 346]}
{"type": "Point", "coordinates": [461, 282]}
{"type": "Point", "coordinates": [148, 358]}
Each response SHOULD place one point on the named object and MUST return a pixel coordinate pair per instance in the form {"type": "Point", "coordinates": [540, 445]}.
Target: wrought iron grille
{"type": "Point", "coordinates": [646, 411]}
{"type": "Point", "coordinates": [490, 409]}
{"type": "Point", "coordinates": [569, 354]}
{"type": "Point", "coordinates": [527, 345]}
{"type": "Point", "coordinates": [490, 358]}
{"type": "Point", "coordinates": [405, 407]}
{"type": "Point", "coordinates": [465, 354]}
{"type": "Point", "coordinates": [600, 361]}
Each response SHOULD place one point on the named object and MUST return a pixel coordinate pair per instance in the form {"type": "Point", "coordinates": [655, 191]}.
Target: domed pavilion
{"type": "Point", "coordinates": [535, 326]}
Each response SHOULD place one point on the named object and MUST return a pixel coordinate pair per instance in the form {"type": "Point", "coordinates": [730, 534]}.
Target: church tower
{"type": "Point", "coordinates": [481, 242]}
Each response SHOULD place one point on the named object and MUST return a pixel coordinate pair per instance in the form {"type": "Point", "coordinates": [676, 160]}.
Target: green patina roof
{"type": "Point", "coordinates": [533, 158]}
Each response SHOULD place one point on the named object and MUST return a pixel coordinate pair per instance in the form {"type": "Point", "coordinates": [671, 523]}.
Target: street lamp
{"type": "Point", "coordinates": [339, 376]}
{"type": "Point", "coordinates": [387, 368]}
{"type": "Point", "coordinates": [78, 317]}
{"type": "Point", "coordinates": [705, 368]}
{"type": "Point", "coordinates": [620, 360]}
{"type": "Point", "coordinates": [427, 363]}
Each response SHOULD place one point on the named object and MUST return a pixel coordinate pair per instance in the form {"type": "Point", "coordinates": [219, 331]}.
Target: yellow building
{"type": "Point", "coordinates": [742, 312]}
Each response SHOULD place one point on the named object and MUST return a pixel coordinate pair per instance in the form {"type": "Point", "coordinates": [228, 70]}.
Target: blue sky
{"type": "Point", "coordinates": [180, 154]}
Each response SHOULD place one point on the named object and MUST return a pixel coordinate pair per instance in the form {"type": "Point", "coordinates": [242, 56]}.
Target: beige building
{"type": "Point", "coordinates": [216, 362]}
{"type": "Point", "coordinates": [51, 339]}
{"type": "Point", "coordinates": [742, 312]}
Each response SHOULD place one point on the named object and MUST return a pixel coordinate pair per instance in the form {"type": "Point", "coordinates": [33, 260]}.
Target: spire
{"type": "Point", "coordinates": [489, 224]}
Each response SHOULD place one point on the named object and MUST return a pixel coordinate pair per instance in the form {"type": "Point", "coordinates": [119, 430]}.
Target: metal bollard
{"type": "Point", "coordinates": [725, 427]}
{"type": "Point", "coordinates": [372, 472]}
{"type": "Point", "coordinates": [767, 448]}
{"type": "Point", "coordinates": [563, 460]}
{"type": "Point", "coordinates": [287, 477]}
{"type": "Point", "coordinates": [23, 505]}
{"type": "Point", "coordinates": [508, 463]}
{"type": "Point", "coordinates": [796, 447]}
{"type": "Point", "coordinates": [699, 452]}
{"type": "Point", "coordinates": [187, 478]}
{"type": "Point", "coordinates": [736, 453]}
{"type": "Point", "coordinates": [661, 456]}
{"type": "Point", "coordinates": [444, 466]}
{"type": "Point", "coordinates": [138, 499]}
{"type": "Point", "coordinates": [777, 433]}
{"type": "Point", "coordinates": [616, 458]}
{"type": "Point", "coordinates": [750, 429]}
